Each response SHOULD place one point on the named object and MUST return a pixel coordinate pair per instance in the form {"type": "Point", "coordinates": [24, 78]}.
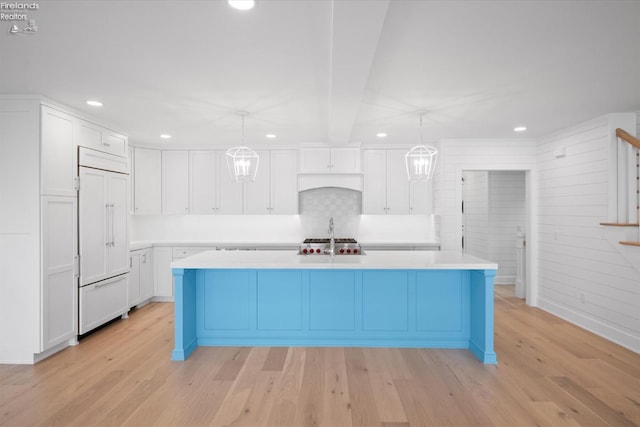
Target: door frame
{"type": "Point", "coordinates": [531, 188]}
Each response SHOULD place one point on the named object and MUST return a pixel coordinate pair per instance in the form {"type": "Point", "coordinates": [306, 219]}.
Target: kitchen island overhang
{"type": "Point", "coordinates": [419, 299]}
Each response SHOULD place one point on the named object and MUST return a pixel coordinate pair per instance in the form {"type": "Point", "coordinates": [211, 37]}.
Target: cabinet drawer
{"type": "Point", "coordinates": [103, 301]}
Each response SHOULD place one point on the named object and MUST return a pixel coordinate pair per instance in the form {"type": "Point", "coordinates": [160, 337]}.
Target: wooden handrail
{"type": "Point", "coordinates": [627, 137]}
{"type": "Point", "coordinates": [620, 224]}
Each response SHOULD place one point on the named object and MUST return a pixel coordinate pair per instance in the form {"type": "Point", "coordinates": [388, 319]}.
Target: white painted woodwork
{"type": "Point", "coordinates": [134, 278]}
{"type": "Point", "coordinates": [94, 136]}
{"type": "Point", "coordinates": [387, 190]}
{"type": "Point", "coordinates": [284, 191]}
{"type": "Point", "coordinates": [27, 239]}
{"type": "Point", "coordinates": [230, 193]}
{"type": "Point", "coordinates": [147, 181]}
{"type": "Point", "coordinates": [163, 279]}
{"type": "Point", "coordinates": [374, 196]}
{"type": "Point", "coordinates": [102, 301]}
{"type": "Point", "coordinates": [175, 182]}
{"type": "Point", "coordinates": [275, 190]}
{"type": "Point", "coordinates": [582, 277]}
{"type": "Point", "coordinates": [397, 183]}
{"type": "Point", "coordinates": [202, 182]}
{"type": "Point", "coordinates": [59, 268]}
{"type": "Point", "coordinates": [257, 197]}
{"type": "Point", "coordinates": [57, 155]}
{"type": "Point", "coordinates": [103, 223]}
{"type": "Point", "coordinates": [140, 277]}
{"type": "Point", "coordinates": [330, 160]}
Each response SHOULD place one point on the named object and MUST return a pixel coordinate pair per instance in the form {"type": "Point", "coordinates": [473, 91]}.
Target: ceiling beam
{"type": "Point", "coordinates": [356, 29]}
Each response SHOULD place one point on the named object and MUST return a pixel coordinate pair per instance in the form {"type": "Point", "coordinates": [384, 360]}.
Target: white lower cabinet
{"type": "Point", "coordinates": [103, 301]}
{"type": "Point", "coordinates": [141, 277]}
{"type": "Point", "coordinates": [162, 258]}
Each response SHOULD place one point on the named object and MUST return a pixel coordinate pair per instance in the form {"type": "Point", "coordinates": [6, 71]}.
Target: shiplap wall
{"type": "Point", "coordinates": [457, 155]}
{"type": "Point", "coordinates": [507, 212]}
{"type": "Point", "coordinates": [581, 276]}
{"type": "Point", "coordinates": [494, 209]}
{"type": "Point", "coordinates": [476, 213]}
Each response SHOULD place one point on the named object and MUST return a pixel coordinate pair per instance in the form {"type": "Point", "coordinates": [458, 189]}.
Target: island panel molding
{"type": "Point", "coordinates": [328, 304]}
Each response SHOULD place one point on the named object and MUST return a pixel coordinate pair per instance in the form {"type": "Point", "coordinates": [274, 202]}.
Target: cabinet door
{"type": "Point", "coordinates": [256, 194]}
{"type": "Point", "coordinates": [57, 158]}
{"type": "Point", "coordinates": [118, 232]}
{"type": "Point", "coordinates": [59, 280]}
{"type": "Point", "coordinates": [163, 284]}
{"type": "Point", "coordinates": [315, 160]}
{"type": "Point", "coordinates": [114, 143]}
{"type": "Point", "coordinates": [175, 182]}
{"type": "Point", "coordinates": [397, 183]}
{"type": "Point", "coordinates": [88, 134]}
{"type": "Point", "coordinates": [134, 278]}
{"type": "Point", "coordinates": [146, 275]}
{"type": "Point", "coordinates": [229, 199]}
{"type": "Point", "coordinates": [421, 197]}
{"type": "Point", "coordinates": [202, 182]}
{"type": "Point", "coordinates": [284, 182]}
{"type": "Point", "coordinates": [94, 212]}
{"type": "Point", "coordinates": [345, 160]}
{"type": "Point", "coordinates": [374, 196]}
{"type": "Point", "coordinates": [147, 181]}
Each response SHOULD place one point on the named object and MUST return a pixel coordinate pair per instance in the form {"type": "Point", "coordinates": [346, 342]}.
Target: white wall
{"type": "Point", "coordinates": [507, 213]}
{"type": "Point", "coordinates": [476, 213]}
{"type": "Point", "coordinates": [457, 155]}
{"type": "Point", "coordinates": [582, 276]}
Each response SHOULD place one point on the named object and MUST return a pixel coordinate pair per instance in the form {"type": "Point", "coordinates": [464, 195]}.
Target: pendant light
{"type": "Point", "coordinates": [242, 161]}
{"type": "Point", "coordinates": [421, 160]}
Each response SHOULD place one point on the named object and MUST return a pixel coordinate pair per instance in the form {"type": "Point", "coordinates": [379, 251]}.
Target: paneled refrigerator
{"type": "Point", "coordinates": [103, 230]}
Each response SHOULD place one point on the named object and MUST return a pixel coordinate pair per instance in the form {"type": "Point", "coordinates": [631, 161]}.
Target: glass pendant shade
{"type": "Point", "coordinates": [242, 163]}
{"type": "Point", "coordinates": [421, 162]}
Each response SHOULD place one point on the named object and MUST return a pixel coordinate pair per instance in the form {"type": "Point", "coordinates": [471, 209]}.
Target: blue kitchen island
{"type": "Point", "coordinates": [428, 299]}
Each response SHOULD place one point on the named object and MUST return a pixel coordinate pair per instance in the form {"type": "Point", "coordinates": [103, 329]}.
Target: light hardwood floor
{"type": "Point", "coordinates": [550, 373]}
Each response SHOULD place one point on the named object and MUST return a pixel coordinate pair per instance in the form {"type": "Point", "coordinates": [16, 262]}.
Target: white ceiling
{"type": "Point", "coordinates": [330, 71]}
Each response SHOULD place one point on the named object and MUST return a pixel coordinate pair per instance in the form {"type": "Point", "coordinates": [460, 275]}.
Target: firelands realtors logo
{"type": "Point", "coordinates": [18, 14]}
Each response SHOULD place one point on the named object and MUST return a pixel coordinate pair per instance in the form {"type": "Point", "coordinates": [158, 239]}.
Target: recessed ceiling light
{"type": "Point", "coordinates": [94, 103]}
{"type": "Point", "coordinates": [165, 136]}
{"type": "Point", "coordinates": [242, 4]}
{"type": "Point", "coordinates": [271, 135]}
{"type": "Point", "coordinates": [381, 135]}
{"type": "Point", "coordinates": [520, 128]}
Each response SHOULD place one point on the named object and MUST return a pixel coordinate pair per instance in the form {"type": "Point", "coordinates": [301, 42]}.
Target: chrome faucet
{"type": "Point", "coordinates": [332, 240]}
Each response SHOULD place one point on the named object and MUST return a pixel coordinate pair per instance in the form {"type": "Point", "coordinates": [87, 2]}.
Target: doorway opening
{"type": "Point", "coordinates": [494, 212]}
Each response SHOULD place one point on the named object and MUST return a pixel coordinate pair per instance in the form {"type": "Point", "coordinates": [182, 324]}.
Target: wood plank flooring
{"type": "Point", "coordinates": [550, 373]}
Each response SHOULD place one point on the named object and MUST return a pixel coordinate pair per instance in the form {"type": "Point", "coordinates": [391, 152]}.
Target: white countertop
{"type": "Point", "coordinates": [138, 244]}
{"type": "Point", "coordinates": [374, 260]}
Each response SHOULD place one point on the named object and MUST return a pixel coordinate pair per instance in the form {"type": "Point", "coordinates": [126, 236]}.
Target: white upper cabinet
{"type": "Point", "coordinates": [284, 188]}
{"type": "Point", "coordinates": [330, 160]}
{"type": "Point", "coordinates": [175, 182]}
{"type": "Point", "coordinates": [57, 156]}
{"type": "Point", "coordinates": [275, 189]}
{"type": "Point", "coordinates": [90, 135]}
{"type": "Point", "coordinates": [147, 181]}
{"type": "Point", "coordinates": [257, 197]}
{"type": "Point", "coordinates": [387, 189]}
{"type": "Point", "coordinates": [211, 190]}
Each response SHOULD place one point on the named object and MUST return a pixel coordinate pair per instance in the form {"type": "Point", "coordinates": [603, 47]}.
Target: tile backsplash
{"type": "Point", "coordinates": [317, 205]}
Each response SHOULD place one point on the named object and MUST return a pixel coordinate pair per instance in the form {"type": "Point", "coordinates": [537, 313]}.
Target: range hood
{"type": "Point", "coordinates": [351, 181]}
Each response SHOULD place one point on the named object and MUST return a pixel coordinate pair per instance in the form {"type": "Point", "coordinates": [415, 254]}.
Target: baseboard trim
{"type": "Point", "coordinates": [608, 332]}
